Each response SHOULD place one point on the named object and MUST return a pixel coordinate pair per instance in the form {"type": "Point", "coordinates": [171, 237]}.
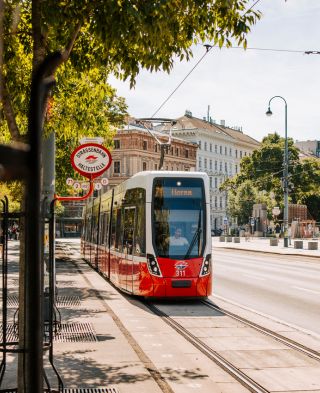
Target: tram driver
{"type": "Point", "coordinates": [177, 239]}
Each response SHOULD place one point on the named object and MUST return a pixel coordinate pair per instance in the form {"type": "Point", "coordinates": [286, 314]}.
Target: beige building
{"type": "Point", "coordinates": [135, 150]}
{"type": "Point", "coordinates": [308, 148]}
{"type": "Point", "coordinates": [219, 154]}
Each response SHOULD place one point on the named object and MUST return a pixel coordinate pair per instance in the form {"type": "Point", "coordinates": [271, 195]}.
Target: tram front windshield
{"type": "Point", "coordinates": [178, 217]}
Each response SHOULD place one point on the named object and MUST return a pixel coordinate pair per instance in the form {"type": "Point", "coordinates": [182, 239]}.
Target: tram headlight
{"type": "Point", "coordinates": [153, 266]}
{"type": "Point", "coordinates": [206, 266]}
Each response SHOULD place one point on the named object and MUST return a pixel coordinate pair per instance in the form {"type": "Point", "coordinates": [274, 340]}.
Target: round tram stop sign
{"type": "Point", "coordinates": [91, 159]}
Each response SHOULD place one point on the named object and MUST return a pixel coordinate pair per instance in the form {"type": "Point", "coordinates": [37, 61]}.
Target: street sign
{"type": "Point", "coordinates": [91, 159]}
{"type": "Point", "coordinates": [85, 186]}
{"type": "Point", "coordinates": [99, 140]}
{"type": "Point", "coordinates": [97, 186]}
{"type": "Point", "coordinates": [104, 181]}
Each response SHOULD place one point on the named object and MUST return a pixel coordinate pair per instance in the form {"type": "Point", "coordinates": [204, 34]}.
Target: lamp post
{"type": "Point", "coordinates": [285, 172]}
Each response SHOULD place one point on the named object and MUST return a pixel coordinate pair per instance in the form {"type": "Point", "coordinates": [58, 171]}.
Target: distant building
{"type": "Point", "coordinates": [308, 148]}
{"type": "Point", "coordinates": [220, 150]}
{"type": "Point", "coordinates": [135, 150]}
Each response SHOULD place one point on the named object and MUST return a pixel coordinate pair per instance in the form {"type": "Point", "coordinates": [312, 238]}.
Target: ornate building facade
{"type": "Point", "coordinates": [220, 150]}
{"type": "Point", "coordinates": [135, 150]}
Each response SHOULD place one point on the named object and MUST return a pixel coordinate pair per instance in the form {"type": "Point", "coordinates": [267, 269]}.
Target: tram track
{"type": "Point", "coordinates": [278, 337]}
{"type": "Point", "coordinates": [217, 358]}
{"type": "Point", "coordinates": [213, 355]}
{"type": "Point", "coordinates": [236, 371]}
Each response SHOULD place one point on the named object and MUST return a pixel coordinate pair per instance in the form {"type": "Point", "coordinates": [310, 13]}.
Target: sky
{"type": "Point", "coordinates": [238, 84]}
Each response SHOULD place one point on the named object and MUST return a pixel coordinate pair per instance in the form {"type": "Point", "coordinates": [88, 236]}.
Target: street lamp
{"type": "Point", "coordinates": [285, 172]}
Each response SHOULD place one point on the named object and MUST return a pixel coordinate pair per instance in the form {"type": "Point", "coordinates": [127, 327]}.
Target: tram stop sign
{"type": "Point", "coordinates": [91, 159]}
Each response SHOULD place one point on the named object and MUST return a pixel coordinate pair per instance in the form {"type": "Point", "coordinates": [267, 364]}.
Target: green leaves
{"type": "Point", "coordinates": [264, 169]}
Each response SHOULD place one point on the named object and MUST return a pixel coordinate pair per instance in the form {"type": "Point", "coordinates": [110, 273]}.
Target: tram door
{"type": "Point", "coordinates": [128, 246]}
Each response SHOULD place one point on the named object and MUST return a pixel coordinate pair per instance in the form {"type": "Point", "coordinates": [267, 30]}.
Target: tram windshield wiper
{"type": "Point", "coordinates": [193, 241]}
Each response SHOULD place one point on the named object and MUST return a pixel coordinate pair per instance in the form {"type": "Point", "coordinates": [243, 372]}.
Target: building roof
{"type": "Point", "coordinates": [188, 122]}
{"type": "Point", "coordinates": [140, 128]}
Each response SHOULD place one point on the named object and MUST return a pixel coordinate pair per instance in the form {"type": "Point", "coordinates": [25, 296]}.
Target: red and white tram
{"type": "Point", "coordinates": [151, 235]}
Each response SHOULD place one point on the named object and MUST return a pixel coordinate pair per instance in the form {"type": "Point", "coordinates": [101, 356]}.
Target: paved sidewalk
{"type": "Point", "coordinates": [263, 245]}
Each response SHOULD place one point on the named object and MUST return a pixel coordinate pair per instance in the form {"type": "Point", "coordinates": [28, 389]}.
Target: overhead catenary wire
{"type": "Point", "coordinates": [208, 49]}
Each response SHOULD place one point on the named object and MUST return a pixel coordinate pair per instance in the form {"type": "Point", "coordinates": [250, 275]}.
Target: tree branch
{"type": "Point", "coordinates": [9, 113]}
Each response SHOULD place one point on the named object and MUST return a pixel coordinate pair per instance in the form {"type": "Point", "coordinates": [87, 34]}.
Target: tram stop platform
{"type": "Point", "coordinates": [111, 343]}
{"type": "Point", "coordinates": [255, 244]}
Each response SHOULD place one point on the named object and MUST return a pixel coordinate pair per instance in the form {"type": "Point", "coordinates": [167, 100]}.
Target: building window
{"type": "Point", "coordinates": [177, 151]}
{"type": "Point", "coordinates": [220, 166]}
{"type": "Point", "coordinates": [117, 144]}
{"type": "Point", "coordinates": [236, 153]}
{"type": "Point", "coordinates": [116, 166]}
{"type": "Point", "coordinates": [236, 168]}
{"type": "Point", "coordinates": [216, 182]}
{"type": "Point", "coordinates": [205, 163]}
{"type": "Point", "coordinates": [245, 154]}
{"type": "Point", "coordinates": [210, 183]}
{"type": "Point", "coordinates": [200, 162]}
{"type": "Point", "coordinates": [221, 203]}
{"type": "Point", "coordinates": [144, 166]}
{"type": "Point", "coordinates": [210, 164]}
{"type": "Point", "coordinates": [145, 145]}
{"type": "Point", "coordinates": [216, 165]}
{"type": "Point", "coordinates": [210, 146]}
{"type": "Point", "coordinates": [230, 168]}
{"type": "Point", "coordinates": [215, 201]}
{"type": "Point", "coordinates": [240, 153]}
{"type": "Point", "coordinates": [155, 147]}
{"type": "Point", "coordinates": [205, 146]}
{"type": "Point", "coordinates": [199, 144]}
{"type": "Point", "coordinates": [220, 149]}
{"type": "Point", "coordinates": [187, 153]}
{"type": "Point", "coordinates": [215, 148]}
{"type": "Point", "coordinates": [225, 150]}
{"type": "Point", "coordinates": [226, 167]}
{"type": "Point", "coordinates": [230, 152]}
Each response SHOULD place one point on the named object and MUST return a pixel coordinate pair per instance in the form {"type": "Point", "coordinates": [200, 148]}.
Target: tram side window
{"type": "Point", "coordinates": [118, 231]}
{"type": "Point", "coordinates": [113, 229]}
{"type": "Point", "coordinates": [94, 233]}
{"type": "Point", "coordinates": [140, 235]}
{"type": "Point", "coordinates": [128, 229]}
{"type": "Point", "coordinates": [88, 229]}
{"type": "Point", "coordinates": [101, 229]}
{"type": "Point", "coordinates": [105, 237]}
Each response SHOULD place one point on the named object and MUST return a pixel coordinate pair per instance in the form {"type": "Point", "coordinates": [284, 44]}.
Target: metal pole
{"type": "Point", "coordinates": [285, 185]}
{"type": "Point", "coordinates": [33, 307]}
{"type": "Point", "coordinates": [285, 173]}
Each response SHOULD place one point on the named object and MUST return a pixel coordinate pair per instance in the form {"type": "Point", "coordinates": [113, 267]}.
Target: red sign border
{"type": "Point", "coordinates": [86, 174]}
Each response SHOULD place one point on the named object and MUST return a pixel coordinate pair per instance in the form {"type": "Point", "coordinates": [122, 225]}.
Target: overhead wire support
{"type": "Point", "coordinates": [208, 48]}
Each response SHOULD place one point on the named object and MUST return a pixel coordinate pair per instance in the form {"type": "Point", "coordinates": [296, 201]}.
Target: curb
{"type": "Point", "coordinates": [267, 252]}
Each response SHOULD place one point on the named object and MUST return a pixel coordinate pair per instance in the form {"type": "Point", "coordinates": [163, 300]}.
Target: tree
{"type": "Point", "coordinates": [241, 201]}
{"type": "Point", "coordinates": [122, 36]}
{"type": "Point", "coordinates": [264, 169]}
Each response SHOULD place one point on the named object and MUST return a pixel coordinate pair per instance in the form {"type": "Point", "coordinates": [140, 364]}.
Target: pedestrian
{"type": "Point", "coordinates": [277, 230]}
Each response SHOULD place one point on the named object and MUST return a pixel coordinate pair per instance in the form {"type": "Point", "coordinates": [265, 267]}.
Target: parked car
{"type": "Point", "coordinates": [216, 232]}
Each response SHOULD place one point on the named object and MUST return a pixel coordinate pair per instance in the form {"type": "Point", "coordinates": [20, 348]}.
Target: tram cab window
{"type": "Point", "coordinates": [178, 218]}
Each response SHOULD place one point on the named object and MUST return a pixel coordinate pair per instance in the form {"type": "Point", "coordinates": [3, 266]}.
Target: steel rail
{"type": "Point", "coordinates": [232, 370]}
{"type": "Point", "coordinates": [282, 339]}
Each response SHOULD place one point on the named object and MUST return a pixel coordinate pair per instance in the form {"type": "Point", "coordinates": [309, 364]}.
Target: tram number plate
{"type": "Point", "coordinates": [181, 283]}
